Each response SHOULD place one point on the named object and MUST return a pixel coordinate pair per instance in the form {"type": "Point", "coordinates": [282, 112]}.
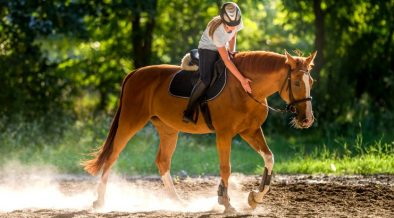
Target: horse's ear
{"type": "Point", "coordinates": [290, 60]}
{"type": "Point", "coordinates": [309, 60]}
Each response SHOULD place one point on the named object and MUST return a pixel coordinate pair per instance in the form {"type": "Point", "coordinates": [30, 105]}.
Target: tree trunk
{"type": "Point", "coordinates": [142, 36]}
{"type": "Point", "coordinates": [319, 36]}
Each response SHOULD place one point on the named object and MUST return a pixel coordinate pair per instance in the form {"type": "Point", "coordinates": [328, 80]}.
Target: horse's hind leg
{"type": "Point", "coordinates": [256, 139]}
{"type": "Point", "coordinates": [168, 139]}
{"type": "Point", "coordinates": [127, 128]}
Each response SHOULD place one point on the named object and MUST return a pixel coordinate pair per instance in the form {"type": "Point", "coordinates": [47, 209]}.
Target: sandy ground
{"type": "Point", "coordinates": [290, 196]}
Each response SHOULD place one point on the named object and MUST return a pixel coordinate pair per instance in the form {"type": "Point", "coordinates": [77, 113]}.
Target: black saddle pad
{"type": "Point", "coordinates": [183, 82]}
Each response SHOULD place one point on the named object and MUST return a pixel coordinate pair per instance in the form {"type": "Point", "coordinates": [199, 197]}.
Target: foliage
{"type": "Point", "coordinates": [358, 51]}
{"type": "Point", "coordinates": [30, 83]}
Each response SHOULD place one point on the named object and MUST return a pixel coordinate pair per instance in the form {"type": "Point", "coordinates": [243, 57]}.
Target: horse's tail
{"type": "Point", "coordinates": [94, 165]}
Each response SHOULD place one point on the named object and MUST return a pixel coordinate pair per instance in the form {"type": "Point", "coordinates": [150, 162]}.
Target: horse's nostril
{"type": "Point", "coordinates": [305, 121]}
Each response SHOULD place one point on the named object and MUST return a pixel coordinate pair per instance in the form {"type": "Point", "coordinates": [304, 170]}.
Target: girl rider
{"type": "Point", "coordinates": [219, 38]}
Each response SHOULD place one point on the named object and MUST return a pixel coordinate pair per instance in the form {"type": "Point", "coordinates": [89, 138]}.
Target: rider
{"type": "Point", "coordinates": [219, 38]}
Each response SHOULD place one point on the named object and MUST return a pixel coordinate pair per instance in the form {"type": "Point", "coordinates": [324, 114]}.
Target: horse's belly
{"type": "Point", "coordinates": [170, 111]}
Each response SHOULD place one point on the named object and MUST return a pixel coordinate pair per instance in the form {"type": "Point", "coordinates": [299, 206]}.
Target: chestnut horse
{"type": "Point", "coordinates": [145, 97]}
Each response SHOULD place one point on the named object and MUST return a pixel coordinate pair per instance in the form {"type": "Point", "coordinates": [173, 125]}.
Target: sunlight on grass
{"type": "Point", "coordinates": [195, 154]}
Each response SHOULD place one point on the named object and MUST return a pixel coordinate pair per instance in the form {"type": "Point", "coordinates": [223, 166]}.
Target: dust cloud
{"type": "Point", "coordinates": [41, 187]}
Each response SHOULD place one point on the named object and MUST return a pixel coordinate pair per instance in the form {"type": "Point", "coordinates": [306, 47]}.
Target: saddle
{"type": "Point", "coordinates": [183, 82]}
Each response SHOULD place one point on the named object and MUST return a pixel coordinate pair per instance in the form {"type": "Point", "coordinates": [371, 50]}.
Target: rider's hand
{"type": "Point", "coordinates": [246, 85]}
{"type": "Point", "coordinates": [232, 54]}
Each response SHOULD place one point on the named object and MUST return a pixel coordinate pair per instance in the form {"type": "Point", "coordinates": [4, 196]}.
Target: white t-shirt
{"type": "Point", "coordinates": [219, 38]}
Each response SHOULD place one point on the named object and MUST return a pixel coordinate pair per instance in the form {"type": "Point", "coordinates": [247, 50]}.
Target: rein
{"type": "Point", "coordinates": [290, 108]}
{"type": "Point", "coordinates": [272, 108]}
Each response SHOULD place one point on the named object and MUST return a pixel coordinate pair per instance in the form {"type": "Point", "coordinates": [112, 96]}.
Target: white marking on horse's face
{"type": "Point", "coordinates": [305, 78]}
{"type": "Point", "coordinates": [308, 108]}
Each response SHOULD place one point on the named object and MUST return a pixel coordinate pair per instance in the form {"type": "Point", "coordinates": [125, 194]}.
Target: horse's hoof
{"type": "Point", "coordinates": [230, 210]}
{"type": "Point", "coordinates": [252, 203]}
{"type": "Point", "coordinates": [181, 203]}
{"type": "Point", "coordinates": [177, 200]}
{"type": "Point", "coordinates": [98, 204]}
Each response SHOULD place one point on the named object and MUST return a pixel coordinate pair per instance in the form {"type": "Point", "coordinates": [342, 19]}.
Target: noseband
{"type": "Point", "coordinates": [290, 108]}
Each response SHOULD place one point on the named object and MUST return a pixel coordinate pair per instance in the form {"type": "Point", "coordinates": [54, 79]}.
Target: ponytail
{"type": "Point", "coordinates": [213, 25]}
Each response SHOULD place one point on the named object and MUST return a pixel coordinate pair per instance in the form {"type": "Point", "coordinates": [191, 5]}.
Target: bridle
{"type": "Point", "coordinates": [290, 108]}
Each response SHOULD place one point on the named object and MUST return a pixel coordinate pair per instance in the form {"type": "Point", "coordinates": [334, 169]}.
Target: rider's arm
{"type": "Point", "coordinates": [229, 63]}
{"type": "Point", "coordinates": [233, 69]}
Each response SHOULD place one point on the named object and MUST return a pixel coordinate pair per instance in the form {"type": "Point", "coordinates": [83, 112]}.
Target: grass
{"type": "Point", "coordinates": [65, 145]}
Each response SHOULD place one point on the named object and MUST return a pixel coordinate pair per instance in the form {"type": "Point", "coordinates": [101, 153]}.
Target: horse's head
{"type": "Point", "coordinates": [296, 90]}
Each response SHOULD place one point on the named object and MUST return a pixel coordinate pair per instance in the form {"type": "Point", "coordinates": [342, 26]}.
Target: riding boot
{"type": "Point", "coordinates": [197, 92]}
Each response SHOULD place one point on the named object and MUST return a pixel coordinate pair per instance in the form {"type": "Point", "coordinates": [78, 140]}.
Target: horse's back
{"type": "Point", "coordinates": [157, 70]}
{"type": "Point", "coordinates": [143, 84]}
{"type": "Point", "coordinates": [149, 76]}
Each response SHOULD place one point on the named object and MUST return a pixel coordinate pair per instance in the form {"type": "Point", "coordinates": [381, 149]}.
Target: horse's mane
{"type": "Point", "coordinates": [259, 61]}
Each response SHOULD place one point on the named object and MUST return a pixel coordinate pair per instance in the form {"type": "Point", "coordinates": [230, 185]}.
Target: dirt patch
{"type": "Point", "coordinates": [290, 196]}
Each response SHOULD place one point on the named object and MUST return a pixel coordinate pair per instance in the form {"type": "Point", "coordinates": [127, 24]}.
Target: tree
{"type": "Point", "coordinates": [142, 32]}
{"type": "Point", "coordinates": [29, 83]}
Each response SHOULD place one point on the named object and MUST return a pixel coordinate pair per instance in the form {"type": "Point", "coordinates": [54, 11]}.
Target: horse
{"type": "Point", "coordinates": [144, 97]}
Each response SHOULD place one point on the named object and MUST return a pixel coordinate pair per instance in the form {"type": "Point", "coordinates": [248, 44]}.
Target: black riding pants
{"type": "Point", "coordinates": [206, 66]}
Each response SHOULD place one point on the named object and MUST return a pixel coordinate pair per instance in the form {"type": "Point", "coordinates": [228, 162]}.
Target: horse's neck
{"type": "Point", "coordinates": [267, 72]}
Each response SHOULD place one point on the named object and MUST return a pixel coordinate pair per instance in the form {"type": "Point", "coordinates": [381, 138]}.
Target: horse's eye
{"type": "Point", "coordinates": [297, 83]}
{"type": "Point", "coordinates": [293, 109]}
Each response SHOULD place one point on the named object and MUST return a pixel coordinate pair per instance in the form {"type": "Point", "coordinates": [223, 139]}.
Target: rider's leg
{"type": "Point", "coordinates": [206, 67]}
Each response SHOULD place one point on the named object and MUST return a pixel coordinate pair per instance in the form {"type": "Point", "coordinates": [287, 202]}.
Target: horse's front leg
{"type": "Point", "coordinates": [255, 138]}
{"type": "Point", "coordinates": [223, 143]}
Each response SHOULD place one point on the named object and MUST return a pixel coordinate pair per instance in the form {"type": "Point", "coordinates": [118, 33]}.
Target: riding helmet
{"type": "Point", "coordinates": [230, 14]}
